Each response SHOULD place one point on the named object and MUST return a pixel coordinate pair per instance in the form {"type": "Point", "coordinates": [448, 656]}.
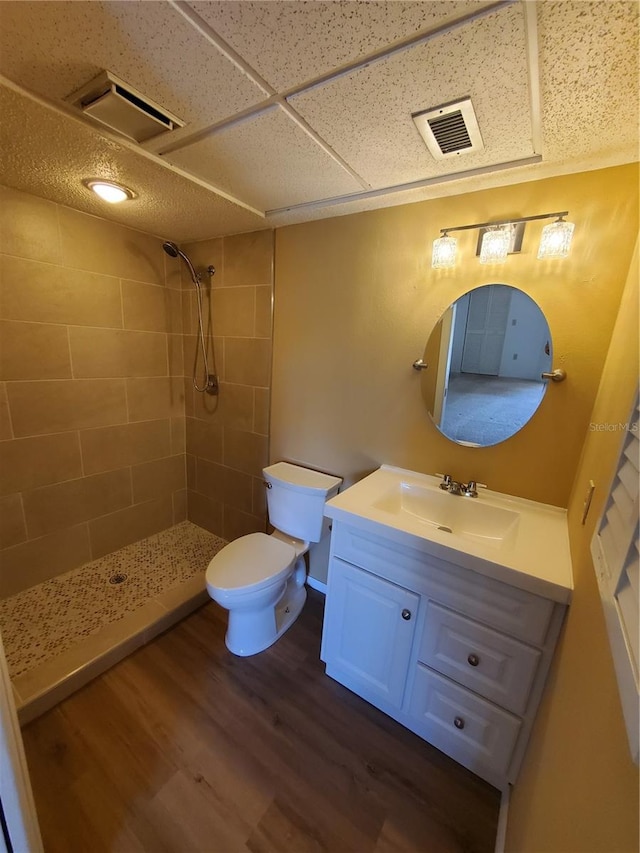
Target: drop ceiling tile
{"type": "Point", "coordinates": [54, 48]}
{"type": "Point", "coordinates": [292, 42]}
{"type": "Point", "coordinates": [48, 154]}
{"type": "Point", "coordinates": [589, 78]}
{"type": "Point", "coordinates": [268, 162]}
{"type": "Point", "coordinates": [366, 116]}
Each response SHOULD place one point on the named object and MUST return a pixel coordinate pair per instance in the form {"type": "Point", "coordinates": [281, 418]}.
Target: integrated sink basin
{"type": "Point", "coordinates": [469, 518]}
{"type": "Point", "coordinates": [521, 542]}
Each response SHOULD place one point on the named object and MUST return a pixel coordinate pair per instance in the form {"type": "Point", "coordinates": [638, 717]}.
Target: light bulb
{"type": "Point", "coordinates": [444, 252]}
{"type": "Point", "coordinates": [555, 241]}
{"type": "Point", "coordinates": [108, 191]}
{"type": "Point", "coordinates": [495, 245]}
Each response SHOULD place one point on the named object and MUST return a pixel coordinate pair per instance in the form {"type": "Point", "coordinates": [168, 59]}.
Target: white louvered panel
{"type": "Point", "coordinates": [615, 548]}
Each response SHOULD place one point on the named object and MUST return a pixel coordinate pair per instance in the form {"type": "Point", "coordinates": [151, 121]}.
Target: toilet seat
{"type": "Point", "coordinates": [250, 563]}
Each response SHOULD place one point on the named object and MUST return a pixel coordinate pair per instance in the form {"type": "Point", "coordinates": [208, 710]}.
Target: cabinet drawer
{"type": "Point", "coordinates": [507, 608]}
{"type": "Point", "coordinates": [466, 727]}
{"type": "Point", "coordinates": [496, 666]}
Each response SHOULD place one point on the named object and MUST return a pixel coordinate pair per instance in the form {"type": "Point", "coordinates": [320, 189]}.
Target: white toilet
{"type": "Point", "coordinates": [260, 579]}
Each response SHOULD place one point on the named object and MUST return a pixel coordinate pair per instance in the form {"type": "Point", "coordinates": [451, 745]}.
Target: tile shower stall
{"type": "Point", "coordinates": [118, 481]}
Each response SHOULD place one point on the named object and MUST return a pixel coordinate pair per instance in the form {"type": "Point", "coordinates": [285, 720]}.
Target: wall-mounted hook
{"type": "Point", "coordinates": [557, 375]}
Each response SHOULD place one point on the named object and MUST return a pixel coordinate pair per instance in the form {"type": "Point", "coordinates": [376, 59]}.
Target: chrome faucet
{"type": "Point", "coordinates": [452, 486]}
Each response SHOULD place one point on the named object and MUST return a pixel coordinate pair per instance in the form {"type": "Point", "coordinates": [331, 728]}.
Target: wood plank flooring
{"type": "Point", "coordinates": [184, 748]}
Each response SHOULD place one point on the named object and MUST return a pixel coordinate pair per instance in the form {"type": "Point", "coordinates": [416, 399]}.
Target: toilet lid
{"type": "Point", "coordinates": [250, 561]}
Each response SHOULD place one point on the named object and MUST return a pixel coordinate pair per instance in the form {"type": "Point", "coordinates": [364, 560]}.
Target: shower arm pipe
{"type": "Point", "coordinates": [500, 222]}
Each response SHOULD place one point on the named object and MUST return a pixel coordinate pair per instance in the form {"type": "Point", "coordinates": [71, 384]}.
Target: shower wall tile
{"type": "Point", "coordinates": [248, 361]}
{"type": "Point", "coordinates": [154, 398]}
{"type": "Point", "coordinates": [205, 512]}
{"type": "Point", "coordinates": [248, 259]}
{"type": "Point", "coordinates": [162, 476]}
{"type": "Point", "coordinates": [262, 397]}
{"type": "Point", "coordinates": [234, 310]}
{"type": "Point", "coordinates": [6, 430]}
{"type": "Point", "coordinates": [40, 559]}
{"type": "Point", "coordinates": [63, 505]}
{"type": "Point", "coordinates": [151, 308]}
{"type": "Point", "coordinates": [107, 353]}
{"type": "Point", "coordinates": [12, 527]}
{"type": "Point", "coordinates": [29, 226]}
{"type": "Point", "coordinates": [179, 506]}
{"type": "Point", "coordinates": [121, 528]}
{"type": "Point", "coordinates": [92, 390]}
{"type": "Point", "coordinates": [116, 447]}
{"type": "Point", "coordinates": [237, 523]}
{"type": "Point", "coordinates": [39, 408]}
{"type": "Point", "coordinates": [178, 435]}
{"type": "Point", "coordinates": [204, 439]}
{"type": "Point", "coordinates": [245, 451]}
{"type": "Point", "coordinates": [264, 309]}
{"type": "Point", "coordinates": [227, 436]}
{"type": "Point", "coordinates": [96, 245]}
{"type": "Point", "coordinates": [26, 463]}
{"type": "Point", "coordinates": [33, 351]}
{"type": "Point", "coordinates": [45, 293]}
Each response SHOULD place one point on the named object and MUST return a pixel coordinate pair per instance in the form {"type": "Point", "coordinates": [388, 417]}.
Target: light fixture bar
{"type": "Point", "coordinates": [505, 222]}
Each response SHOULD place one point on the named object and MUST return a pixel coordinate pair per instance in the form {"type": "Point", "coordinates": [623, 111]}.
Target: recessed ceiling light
{"type": "Point", "coordinates": [108, 191]}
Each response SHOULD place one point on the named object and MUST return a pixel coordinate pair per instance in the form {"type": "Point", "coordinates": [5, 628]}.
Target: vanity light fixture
{"type": "Point", "coordinates": [445, 249]}
{"type": "Point", "coordinates": [495, 245]}
{"type": "Point", "coordinates": [556, 239]}
{"type": "Point", "coordinates": [498, 240]}
{"type": "Point", "coordinates": [110, 191]}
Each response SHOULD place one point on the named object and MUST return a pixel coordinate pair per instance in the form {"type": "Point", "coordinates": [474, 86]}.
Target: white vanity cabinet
{"type": "Point", "coordinates": [457, 657]}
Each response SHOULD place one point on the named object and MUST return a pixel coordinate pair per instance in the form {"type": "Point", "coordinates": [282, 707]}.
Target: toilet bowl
{"type": "Point", "coordinates": [260, 578]}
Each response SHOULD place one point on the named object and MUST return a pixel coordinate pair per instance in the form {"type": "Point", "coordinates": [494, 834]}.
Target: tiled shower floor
{"type": "Point", "coordinates": [55, 630]}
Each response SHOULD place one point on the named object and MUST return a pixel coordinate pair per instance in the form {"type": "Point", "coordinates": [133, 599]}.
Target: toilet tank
{"type": "Point", "coordinates": [296, 497]}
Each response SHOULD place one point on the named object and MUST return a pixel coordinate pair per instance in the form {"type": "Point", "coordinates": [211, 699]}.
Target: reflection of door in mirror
{"type": "Point", "coordinates": [486, 356]}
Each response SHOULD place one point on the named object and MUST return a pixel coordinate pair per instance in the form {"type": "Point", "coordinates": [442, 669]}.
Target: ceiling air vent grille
{"type": "Point", "coordinates": [450, 130]}
{"type": "Point", "coordinates": [114, 103]}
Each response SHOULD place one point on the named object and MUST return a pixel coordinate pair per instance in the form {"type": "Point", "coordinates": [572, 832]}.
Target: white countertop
{"type": "Point", "coordinates": [531, 552]}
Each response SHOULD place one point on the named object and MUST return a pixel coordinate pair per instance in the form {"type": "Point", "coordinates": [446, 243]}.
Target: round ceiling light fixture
{"type": "Point", "coordinates": [109, 191]}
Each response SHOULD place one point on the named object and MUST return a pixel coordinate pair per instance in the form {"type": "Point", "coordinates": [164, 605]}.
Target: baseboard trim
{"type": "Point", "coordinates": [503, 816]}
{"type": "Point", "coordinates": [316, 584]}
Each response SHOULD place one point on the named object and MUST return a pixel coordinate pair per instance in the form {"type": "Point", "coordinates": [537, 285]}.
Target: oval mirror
{"type": "Point", "coordinates": [485, 359]}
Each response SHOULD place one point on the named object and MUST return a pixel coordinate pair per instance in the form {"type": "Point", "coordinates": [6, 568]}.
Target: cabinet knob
{"type": "Point", "coordinates": [458, 723]}
{"type": "Point", "coordinates": [473, 659]}
{"type": "Point", "coordinates": [406, 614]}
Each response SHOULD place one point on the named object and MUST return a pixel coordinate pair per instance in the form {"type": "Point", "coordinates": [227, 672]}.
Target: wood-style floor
{"type": "Point", "coordinates": [183, 747]}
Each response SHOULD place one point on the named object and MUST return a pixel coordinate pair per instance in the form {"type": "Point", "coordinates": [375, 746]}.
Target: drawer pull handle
{"type": "Point", "coordinates": [458, 723]}
{"type": "Point", "coordinates": [406, 614]}
{"type": "Point", "coordinates": [473, 660]}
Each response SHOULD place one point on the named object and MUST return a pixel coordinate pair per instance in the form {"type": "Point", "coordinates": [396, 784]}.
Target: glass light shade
{"type": "Point", "coordinates": [495, 246]}
{"type": "Point", "coordinates": [555, 241]}
{"type": "Point", "coordinates": [444, 253]}
{"type": "Point", "coordinates": [113, 193]}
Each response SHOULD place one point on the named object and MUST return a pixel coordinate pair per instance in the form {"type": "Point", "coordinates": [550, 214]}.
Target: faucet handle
{"type": "Point", "coordinates": [446, 480]}
{"type": "Point", "coordinates": [471, 489]}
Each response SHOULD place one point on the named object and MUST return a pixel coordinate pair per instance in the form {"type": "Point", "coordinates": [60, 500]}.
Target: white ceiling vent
{"type": "Point", "coordinates": [113, 102]}
{"type": "Point", "coordinates": [450, 130]}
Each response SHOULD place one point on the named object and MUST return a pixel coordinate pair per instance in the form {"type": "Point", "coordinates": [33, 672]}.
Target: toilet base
{"type": "Point", "coordinates": [253, 631]}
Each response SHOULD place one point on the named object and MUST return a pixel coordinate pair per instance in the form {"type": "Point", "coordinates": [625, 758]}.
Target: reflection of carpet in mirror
{"type": "Point", "coordinates": [486, 409]}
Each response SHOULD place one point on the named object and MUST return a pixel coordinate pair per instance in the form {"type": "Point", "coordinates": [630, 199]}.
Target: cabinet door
{"type": "Point", "coordinates": [368, 631]}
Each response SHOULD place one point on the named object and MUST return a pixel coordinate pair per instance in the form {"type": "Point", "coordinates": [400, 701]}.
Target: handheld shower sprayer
{"type": "Point", "coordinates": [210, 385]}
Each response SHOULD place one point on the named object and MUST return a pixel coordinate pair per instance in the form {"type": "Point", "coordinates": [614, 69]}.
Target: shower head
{"type": "Point", "coordinates": [173, 251]}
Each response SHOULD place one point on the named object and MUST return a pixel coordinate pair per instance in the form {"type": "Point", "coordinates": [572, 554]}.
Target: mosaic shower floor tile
{"type": "Point", "coordinates": [46, 620]}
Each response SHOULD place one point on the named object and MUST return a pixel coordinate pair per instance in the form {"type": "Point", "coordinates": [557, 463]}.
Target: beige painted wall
{"type": "Point", "coordinates": [227, 436]}
{"type": "Point", "coordinates": [578, 789]}
{"type": "Point", "coordinates": [91, 389]}
{"type": "Point", "coordinates": [356, 299]}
